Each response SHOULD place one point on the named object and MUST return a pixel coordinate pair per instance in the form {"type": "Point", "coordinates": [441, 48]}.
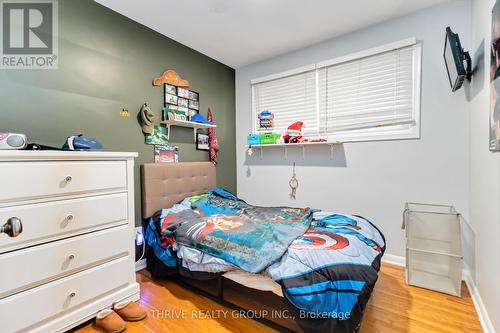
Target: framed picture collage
{"type": "Point", "coordinates": [180, 103]}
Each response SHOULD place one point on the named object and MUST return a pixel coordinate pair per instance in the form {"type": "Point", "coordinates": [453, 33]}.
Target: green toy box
{"type": "Point", "coordinates": [269, 138]}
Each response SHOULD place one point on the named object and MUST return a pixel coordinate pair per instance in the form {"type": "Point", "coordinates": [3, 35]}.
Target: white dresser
{"type": "Point", "coordinates": [75, 253]}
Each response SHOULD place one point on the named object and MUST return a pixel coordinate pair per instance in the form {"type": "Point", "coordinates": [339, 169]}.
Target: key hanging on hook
{"type": "Point", "coordinates": [294, 184]}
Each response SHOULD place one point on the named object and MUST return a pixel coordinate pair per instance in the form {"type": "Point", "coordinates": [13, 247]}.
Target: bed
{"type": "Point", "coordinates": [296, 269]}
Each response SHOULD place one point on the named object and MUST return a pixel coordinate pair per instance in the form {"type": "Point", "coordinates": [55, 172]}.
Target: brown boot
{"type": "Point", "coordinates": [130, 311]}
{"type": "Point", "coordinates": [109, 321]}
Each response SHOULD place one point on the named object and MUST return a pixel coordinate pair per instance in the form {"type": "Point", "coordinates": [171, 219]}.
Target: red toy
{"type": "Point", "coordinates": [294, 133]}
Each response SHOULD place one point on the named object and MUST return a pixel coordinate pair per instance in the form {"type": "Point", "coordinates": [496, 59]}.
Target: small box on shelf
{"type": "Point", "coordinates": [253, 139]}
{"type": "Point", "coordinates": [269, 138]}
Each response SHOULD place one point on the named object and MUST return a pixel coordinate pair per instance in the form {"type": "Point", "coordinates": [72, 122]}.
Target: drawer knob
{"type": "Point", "coordinates": [72, 294]}
{"type": "Point", "coordinates": [70, 217]}
{"type": "Point", "coordinates": [13, 227]}
{"type": "Point", "coordinates": [71, 257]}
{"type": "Point", "coordinates": [68, 179]}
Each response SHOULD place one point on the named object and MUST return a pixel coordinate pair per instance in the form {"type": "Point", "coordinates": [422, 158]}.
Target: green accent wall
{"type": "Point", "coordinates": [106, 63]}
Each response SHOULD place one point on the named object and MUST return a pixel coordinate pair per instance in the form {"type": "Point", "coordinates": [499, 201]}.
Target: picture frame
{"type": "Point", "coordinates": [182, 113]}
{"type": "Point", "coordinates": [170, 99]}
{"type": "Point", "coordinates": [195, 105]}
{"type": "Point", "coordinates": [168, 110]}
{"type": "Point", "coordinates": [158, 137]}
{"type": "Point", "coordinates": [170, 116]}
{"type": "Point", "coordinates": [179, 103]}
{"type": "Point", "coordinates": [183, 92]}
{"type": "Point", "coordinates": [170, 89]}
{"type": "Point", "coordinates": [183, 110]}
{"type": "Point", "coordinates": [184, 102]}
{"type": "Point", "coordinates": [194, 96]}
{"type": "Point", "coordinates": [202, 141]}
{"type": "Point", "coordinates": [166, 154]}
{"type": "Point", "coordinates": [180, 116]}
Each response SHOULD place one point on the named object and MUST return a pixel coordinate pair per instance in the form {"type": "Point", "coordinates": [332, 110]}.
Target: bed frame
{"type": "Point", "coordinates": [165, 184]}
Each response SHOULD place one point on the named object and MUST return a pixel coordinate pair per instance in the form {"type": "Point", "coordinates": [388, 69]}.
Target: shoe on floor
{"type": "Point", "coordinates": [109, 321]}
{"type": "Point", "coordinates": [130, 311]}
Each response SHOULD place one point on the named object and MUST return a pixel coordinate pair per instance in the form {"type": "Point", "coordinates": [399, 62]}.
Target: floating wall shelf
{"type": "Point", "coordinates": [303, 145]}
{"type": "Point", "coordinates": [184, 123]}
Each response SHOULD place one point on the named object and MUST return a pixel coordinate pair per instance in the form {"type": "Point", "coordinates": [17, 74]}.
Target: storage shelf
{"type": "Point", "coordinates": [433, 247]}
{"type": "Point", "coordinates": [302, 145]}
{"type": "Point", "coordinates": [188, 124]}
{"type": "Point", "coordinates": [441, 283]}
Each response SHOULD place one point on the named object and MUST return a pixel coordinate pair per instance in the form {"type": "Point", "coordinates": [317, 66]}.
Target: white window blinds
{"type": "Point", "coordinates": [291, 98]}
{"type": "Point", "coordinates": [370, 92]}
{"type": "Point", "coordinates": [371, 95]}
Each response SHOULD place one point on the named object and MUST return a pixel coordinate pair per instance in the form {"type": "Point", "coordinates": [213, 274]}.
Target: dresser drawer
{"type": "Point", "coordinates": [27, 180]}
{"type": "Point", "coordinates": [32, 307]}
{"type": "Point", "coordinates": [54, 220]}
{"type": "Point", "coordinates": [39, 264]}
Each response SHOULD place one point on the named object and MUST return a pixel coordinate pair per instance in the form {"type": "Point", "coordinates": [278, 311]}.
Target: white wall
{"type": "Point", "coordinates": [484, 170]}
{"type": "Point", "coordinates": [373, 179]}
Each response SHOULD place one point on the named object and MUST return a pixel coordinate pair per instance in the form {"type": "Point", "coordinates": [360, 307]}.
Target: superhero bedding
{"type": "Point", "coordinates": [326, 264]}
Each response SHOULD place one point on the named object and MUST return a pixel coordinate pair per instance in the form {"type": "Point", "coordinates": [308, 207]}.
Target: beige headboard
{"type": "Point", "coordinates": [165, 184]}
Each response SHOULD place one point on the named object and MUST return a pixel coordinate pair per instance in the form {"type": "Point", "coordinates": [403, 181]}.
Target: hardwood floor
{"type": "Point", "coordinates": [393, 307]}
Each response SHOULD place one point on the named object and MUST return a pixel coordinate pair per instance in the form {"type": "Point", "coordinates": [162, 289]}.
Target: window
{"type": "Point", "coordinates": [290, 97]}
{"type": "Point", "coordinates": [371, 95]}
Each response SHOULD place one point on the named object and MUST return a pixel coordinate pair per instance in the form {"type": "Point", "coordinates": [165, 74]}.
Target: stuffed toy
{"type": "Point", "coordinates": [294, 133]}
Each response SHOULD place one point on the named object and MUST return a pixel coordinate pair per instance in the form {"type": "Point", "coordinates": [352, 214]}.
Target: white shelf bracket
{"type": "Point", "coordinates": [195, 130]}
{"type": "Point", "coordinates": [261, 153]}
{"type": "Point", "coordinates": [332, 147]}
{"type": "Point", "coordinates": [168, 132]}
{"type": "Point", "coordinates": [303, 152]}
{"type": "Point", "coordinates": [286, 152]}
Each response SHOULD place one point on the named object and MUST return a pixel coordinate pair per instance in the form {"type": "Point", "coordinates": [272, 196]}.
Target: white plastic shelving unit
{"type": "Point", "coordinates": [433, 247]}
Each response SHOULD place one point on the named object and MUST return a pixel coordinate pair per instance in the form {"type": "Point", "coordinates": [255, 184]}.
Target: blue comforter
{"type": "Point", "coordinates": [247, 236]}
{"type": "Point", "coordinates": [332, 266]}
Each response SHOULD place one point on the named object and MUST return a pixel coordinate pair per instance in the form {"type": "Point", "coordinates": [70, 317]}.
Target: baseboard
{"type": "Point", "coordinates": [482, 314]}
{"type": "Point", "coordinates": [141, 264]}
{"type": "Point", "coordinates": [394, 260]}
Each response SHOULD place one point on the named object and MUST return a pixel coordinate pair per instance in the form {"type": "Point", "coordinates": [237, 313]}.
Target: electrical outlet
{"type": "Point", "coordinates": [139, 237]}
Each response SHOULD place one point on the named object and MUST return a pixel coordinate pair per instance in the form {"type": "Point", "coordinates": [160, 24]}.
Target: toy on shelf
{"type": "Point", "coordinates": [269, 138]}
{"type": "Point", "coordinates": [266, 120]}
{"type": "Point", "coordinates": [253, 139]}
{"type": "Point", "coordinates": [315, 140]}
{"type": "Point", "coordinates": [293, 133]}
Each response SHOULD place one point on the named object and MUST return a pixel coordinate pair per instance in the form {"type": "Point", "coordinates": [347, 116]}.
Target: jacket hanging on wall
{"type": "Point", "coordinates": [212, 139]}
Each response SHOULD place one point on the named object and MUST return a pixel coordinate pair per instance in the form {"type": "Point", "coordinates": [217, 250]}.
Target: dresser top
{"type": "Point", "coordinates": [36, 155]}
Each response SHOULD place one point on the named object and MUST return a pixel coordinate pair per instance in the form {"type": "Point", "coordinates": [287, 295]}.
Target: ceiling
{"type": "Point", "coordinates": [241, 32]}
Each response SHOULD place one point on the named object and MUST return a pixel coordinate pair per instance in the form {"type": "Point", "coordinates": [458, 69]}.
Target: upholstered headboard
{"type": "Point", "coordinates": [165, 184]}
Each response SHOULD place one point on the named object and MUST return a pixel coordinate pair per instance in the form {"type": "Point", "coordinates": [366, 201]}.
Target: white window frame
{"type": "Point", "coordinates": [398, 132]}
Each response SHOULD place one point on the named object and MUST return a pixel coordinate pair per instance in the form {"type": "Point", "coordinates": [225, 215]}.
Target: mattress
{"type": "Point", "coordinates": [196, 261]}
{"type": "Point", "coordinates": [254, 281]}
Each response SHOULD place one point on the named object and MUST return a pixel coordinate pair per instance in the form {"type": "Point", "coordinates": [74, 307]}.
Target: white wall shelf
{"type": "Point", "coordinates": [303, 145]}
{"type": "Point", "coordinates": [184, 123]}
